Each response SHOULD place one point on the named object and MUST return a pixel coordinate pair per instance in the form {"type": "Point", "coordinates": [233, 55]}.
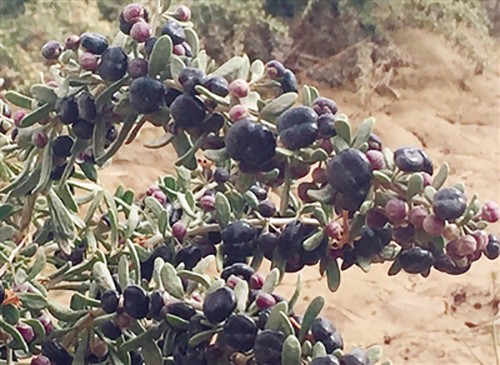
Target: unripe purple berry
{"type": "Point", "coordinates": [72, 42]}
{"type": "Point", "coordinates": [179, 231]}
{"type": "Point", "coordinates": [433, 225]}
{"type": "Point", "coordinates": [140, 32]}
{"type": "Point", "coordinates": [395, 210]}
{"type": "Point", "coordinates": [26, 331]}
{"type": "Point", "coordinates": [152, 189]}
{"type": "Point", "coordinates": [451, 232]}
{"type": "Point", "coordinates": [46, 322]}
{"type": "Point", "coordinates": [319, 175]}
{"type": "Point", "coordinates": [232, 281]}
{"type": "Point", "coordinates": [427, 179]}
{"type": "Point", "coordinates": [239, 88]}
{"type": "Point", "coordinates": [88, 61]}
{"type": "Point", "coordinates": [40, 360]}
{"type": "Point", "coordinates": [18, 117]}
{"type": "Point", "coordinates": [481, 238]}
{"type": "Point", "coordinates": [179, 50]}
{"type": "Point", "coordinates": [133, 12]}
{"type": "Point", "coordinates": [182, 13]}
{"type": "Point", "coordinates": [207, 202]}
{"type": "Point", "coordinates": [40, 139]}
{"type": "Point", "coordinates": [237, 112]}
{"type": "Point", "coordinates": [417, 215]}
{"type": "Point", "coordinates": [257, 280]}
{"type": "Point", "coordinates": [465, 245]}
{"type": "Point", "coordinates": [137, 67]}
{"type": "Point", "coordinates": [265, 300]}
{"type": "Point", "coordinates": [376, 159]}
{"type": "Point", "coordinates": [160, 196]}
{"type": "Point", "coordinates": [490, 212]}
{"type": "Point", "coordinates": [334, 230]}
{"type": "Point", "coordinates": [52, 50]}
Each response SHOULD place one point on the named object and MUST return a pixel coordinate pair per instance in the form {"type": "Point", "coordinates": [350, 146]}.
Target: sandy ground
{"type": "Point", "coordinates": [452, 113]}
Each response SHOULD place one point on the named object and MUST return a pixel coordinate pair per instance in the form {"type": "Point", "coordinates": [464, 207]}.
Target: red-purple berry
{"type": "Point", "coordinates": [40, 360]}
{"type": "Point", "coordinates": [239, 88]}
{"type": "Point", "coordinates": [40, 139]}
{"type": "Point", "coordinates": [319, 175]}
{"type": "Point", "coordinates": [265, 300]}
{"type": "Point", "coordinates": [72, 42]}
{"type": "Point", "coordinates": [375, 219]}
{"type": "Point", "coordinates": [207, 202]}
{"type": "Point", "coordinates": [137, 67]}
{"type": "Point", "coordinates": [18, 117]}
{"type": "Point", "coordinates": [88, 61]}
{"type": "Point", "coordinates": [427, 179]}
{"type": "Point", "coordinates": [490, 212]}
{"type": "Point", "coordinates": [465, 245]}
{"type": "Point", "coordinates": [327, 145]}
{"type": "Point", "coordinates": [433, 225]}
{"type": "Point", "coordinates": [238, 112]}
{"type": "Point", "coordinates": [26, 331]}
{"type": "Point", "coordinates": [133, 12]}
{"type": "Point", "coordinates": [52, 50]}
{"type": "Point", "coordinates": [152, 189]}
{"type": "Point", "coordinates": [140, 32]}
{"type": "Point", "coordinates": [323, 105]}
{"type": "Point", "coordinates": [417, 215]}
{"type": "Point", "coordinates": [481, 238]}
{"type": "Point", "coordinates": [257, 281]}
{"type": "Point", "coordinates": [376, 159]}
{"type": "Point", "coordinates": [266, 208]}
{"type": "Point", "coordinates": [334, 230]}
{"type": "Point", "coordinates": [179, 50]}
{"type": "Point", "coordinates": [232, 281]}
{"type": "Point", "coordinates": [179, 231]}
{"type": "Point", "coordinates": [395, 210]}
{"type": "Point", "coordinates": [46, 322]}
{"type": "Point", "coordinates": [160, 196]}
{"type": "Point", "coordinates": [182, 13]}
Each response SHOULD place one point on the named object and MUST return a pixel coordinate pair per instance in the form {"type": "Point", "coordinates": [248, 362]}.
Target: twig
{"type": "Point", "coordinates": [13, 255]}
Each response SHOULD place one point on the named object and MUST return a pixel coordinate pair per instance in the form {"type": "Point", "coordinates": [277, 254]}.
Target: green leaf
{"type": "Point", "coordinates": [5, 211]}
{"type": "Point", "coordinates": [132, 222]}
{"type": "Point", "coordinates": [278, 106]}
{"type": "Point", "coordinates": [250, 199]}
{"type": "Point", "coordinates": [222, 208]}
{"type": "Point", "coordinates": [189, 156]}
{"type": "Point", "coordinates": [291, 353]}
{"type": "Point", "coordinates": [123, 271]}
{"type": "Point", "coordinates": [441, 176]}
{"type": "Point", "coordinates": [257, 69]}
{"type": "Point", "coordinates": [151, 353]}
{"type": "Point", "coordinates": [343, 128]}
{"type": "Point", "coordinates": [182, 145]}
{"type": "Point", "coordinates": [106, 94]}
{"type": "Point", "coordinates": [45, 169]}
{"type": "Point", "coordinates": [312, 242]}
{"type": "Point", "coordinates": [11, 330]}
{"type": "Point", "coordinates": [36, 115]}
{"type": "Point", "coordinates": [38, 265]}
{"type": "Point", "coordinates": [310, 315]}
{"type": "Point", "coordinates": [296, 293]}
{"type": "Point", "coordinates": [381, 177]}
{"type": "Point", "coordinates": [153, 205]}
{"type": "Point", "coordinates": [389, 158]}
{"type": "Point", "coordinates": [196, 277]}
{"type": "Point", "coordinates": [160, 56]}
{"type": "Point", "coordinates": [231, 68]}
{"type": "Point", "coordinates": [271, 281]}
{"type": "Point", "coordinates": [201, 61]}
{"type": "Point", "coordinates": [10, 314]}
{"type": "Point", "coordinates": [177, 322]}
{"type": "Point", "coordinates": [415, 186]}
{"type": "Point", "coordinates": [324, 194]}
{"type": "Point", "coordinates": [63, 223]}
{"type": "Point", "coordinates": [193, 41]}
{"type": "Point", "coordinates": [135, 261]}
{"type": "Point", "coordinates": [395, 268]}
{"type": "Point", "coordinates": [374, 353]}
{"type": "Point", "coordinates": [218, 99]}
{"type": "Point", "coordinates": [364, 263]}
{"type": "Point", "coordinates": [38, 328]}
{"type": "Point", "coordinates": [19, 100]}
{"type": "Point", "coordinates": [306, 95]}
{"type": "Point", "coordinates": [319, 350]}
{"type": "Point", "coordinates": [314, 93]}
{"type": "Point", "coordinates": [429, 192]}
{"type": "Point", "coordinates": [275, 320]}
{"type": "Point", "coordinates": [307, 348]}
{"type": "Point", "coordinates": [183, 178]}
{"type": "Point", "coordinates": [176, 66]}
{"type": "Point", "coordinates": [43, 93]}
{"type": "Point", "coordinates": [241, 291]}
{"type": "Point", "coordinates": [171, 282]}
{"type": "Point", "coordinates": [357, 223]}
{"type": "Point", "coordinates": [363, 132]}
{"type": "Point", "coordinates": [33, 301]}
{"type": "Point", "coordinates": [89, 170]}
{"type": "Point", "coordinates": [67, 198]}
{"type": "Point", "coordinates": [201, 337]}
{"type": "Point", "coordinates": [101, 274]}
{"type": "Point", "coordinates": [160, 142]}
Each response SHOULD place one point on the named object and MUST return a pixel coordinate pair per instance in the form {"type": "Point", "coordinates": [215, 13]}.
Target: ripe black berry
{"type": "Point", "coordinates": [268, 347]}
{"type": "Point", "coordinates": [174, 30]}
{"type": "Point", "coordinates": [109, 301]}
{"type": "Point", "coordinates": [182, 310]}
{"type": "Point", "coordinates": [61, 146]}
{"type": "Point", "coordinates": [136, 358]}
{"type": "Point", "coordinates": [238, 269]}
{"type": "Point", "coordinates": [86, 107]}
{"type": "Point", "coordinates": [219, 304]}
{"type": "Point", "coordinates": [291, 238]}
{"type": "Point", "coordinates": [113, 64]}
{"type": "Point", "coordinates": [214, 123]}
{"type": "Point", "coordinates": [297, 127]}
{"type": "Point", "coordinates": [6, 111]}
{"type": "Point", "coordinates": [326, 125]}
{"type": "Point", "coordinates": [217, 84]}
{"type": "Point", "coordinates": [67, 109]}
{"type": "Point", "coordinates": [374, 142]}
{"type": "Point", "coordinates": [149, 45]}
{"type": "Point", "coordinates": [323, 105]}
{"type": "Point", "coordinates": [125, 26]}
{"type": "Point", "coordinates": [137, 67]}
{"type": "Point", "coordinates": [189, 255]}
{"type": "Point", "coordinates": [416, 260]}
{"type": "Point", "coordinates": [445, 264]}
{"type": "Point", "coordinates": [190, 77]}
{"type": "Point", "coordinates": [147, 266]}
{"type": "Point", "coordinates": [146, 94]}
{"type": "Point", "coordinates": [170, 95]}
{"type": "Point", "coordinates": [266, 208]}
{"type": "Point", "coordinates": [2, 294]}
{"type": "Point", "coordinates": [188, 111]}
{"type": "Point", "coordinates": [449, 203]}
{"type": "Point", "coordinates": [355, 357]}
{"type": "Point", "coordinates": [56, 353]}
{"type": "Point", "coordinates": [240, 332]}
{"type": "Point", "coordinates": [267, 243]}
{"type": "Point", "coordinates": [57, 172]}
{"type": "Point", "coordinates": [94, 43]}
{"type": "Point", "coordinates": [275, 69]}
{"type": "Point", "coordinates": [289, 82]}
{"type": "Point", "coordinates": [83, 129]}
{"type": "Point", "coordinates": [221, 175]}
{"type": "Point", "coordinates": [250, 143]}
{"type": "Point", "coordinates": [324, 331]}
{"type": "Point", "coordinates": [110, 330]}
{"type": "Point", "coordinates": [372, 241]}
{"type": "Point", "coordinates": [492, 250]}
{"type": "Point", "coordinates": [136, 301]}
{"type": "Point", "coordinates": [259, 192]}
{"type": "Point", "coordinates": [325, 360]}
{"type": "Point", "coordinates": [408, 159]}
{"type": "Point", "coordinates": [238, 239]}
{"type": "Point", "coordinates": [156, 304]}
{"type": "Point", "coordinates": [427, 166]}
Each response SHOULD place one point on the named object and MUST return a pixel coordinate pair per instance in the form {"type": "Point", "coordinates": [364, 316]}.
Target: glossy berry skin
{"type": "Point", "coordinates": [61, 146]}
{"type": "Point", "coordinates": [136, 301]}
{"type": "Point", "coordinates": [417, 215]}
{"type": "Point", "coordinates": [174, 30]}
{"type": "Point", "coordinates": [275, 70]}
{"type": "Point", "coordinates": [140, 32]}
{"type": "Point", "coordinates": [52, 50]}
{"type": "Point", "coordinates": [238, 269]}
{"type": "Point", "coordinates": [268, 347]}
{"type": "Point", "coordinates": [355, 357]}
{"type": "Point", "coordinates": [94, 43]}
{"type": "Point", "coordinates": [325, 360]}
{"type": "Point", "coordinates": [109, 301]}
{"type": "Point", "coordinates": [408, 159]}
{"type": "Point", "coordinates": [88, 61]}
{"type": "Point", "coordinates": [190, 77]}
{"type": "Point", "coordinates": [449, 203]}
{"type": "Point", "coordinates": [83, 129]}
{"type": "Point", "coordinates": [26, 331]}
{"type": "Point", "coordinates": [427, 166]}
{"type": "Point", "coordinates": [56, 353]}
{"type": "Point", "coordinates": [374, 142]}
{"type": "Point", "coordinates": [182, 13]}
{"type": "Point", "coordinates": [257, 281]}
{"type": "Point", "coordinates": [259, 192]}
{"type": "Point", "coordinates": [219, 304]}
{"type": "Point", "coordinates": [137, 67]}
{"type": "Point", "coordinates": [156, 304]}
{"type": "Point", "coordinates": [110, 330]}
{"type": "Point", "coordinates": [326, 125]}
{"type": "Point", "coordinates": [179, 231]}
{"type": "Point", "coordinates": [416, 260]}
{"type": "Point", "coordinates": [433, 225]}
{"type": "Point", "coordinates": [189, 255]}
{"type": "Point", "coordinates": [40, 360]}
{"type": "Point", "coordinates": [291, 238]}
{"type": "Point", "coordinates": [324, 331]}
{"type": "Point", "coordinates": [297, 127]}
{"type": "Point", "coordinates": [250, 143]}
{"type": "Point", "coordinates": [266, 208]}
{"type": "Point", "coordinates": [324, 105]}
{"type": "Point", "coordinates": [86, 107]}
{"type": "Point", "coordinates": [492, 250]}
{"type": "Point", "coordinates": [395, 210]}
{"type": "Point", "coordinates": [146, 94]}
{"type": "Point", "coordinates": [181, 310]}
{"type": "Point", "coordinates": [221, 175]}
{"type": "Point", "coordinates": [67, 109]}
{"type": "Point", "coordinates": [376, 159]}
{"type": "Point", "coordinates": [265, 301]}
{"type": "Point", "coordinates": [490, 211]}
{"type": "Point", "coordinates": [113, 64]}
{"type": "Point", "coordinates": [237, 238]}
{"type": "Point", "coordinates": [196, 326]}
{"type": "Point", "coordinates": [289, 82]}
{"type": "Point", "coordinates": [238, 112]}
{"type": "Point", "coordinates": [170, 95]}
{"type": "Point", "coordinates": [240, 332]}
{"type": "Point", "coordinates": [239, 88]}
{"type": "Point", "coordinates": [187, 111]}
{"type": "Point", "coordinates": [218, 85]}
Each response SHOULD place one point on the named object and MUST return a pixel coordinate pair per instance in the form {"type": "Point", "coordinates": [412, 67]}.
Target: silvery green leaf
{"type": "Point", "coordinates": [338, 353]}
{"type": "Point", "coordinates": [306, 95]}
{"type": "Point", "coordinates": [29, 184]}
{"type": "Point", "coordinates": [38, 265]}
{"type": "Point", "coordinates": [160, 142]}
{"type": "Point", "coordinates": [176, 66]}
{"type": "Point", "coordinates": [67, 198]}
{"type": "Point", "coordinates": [429, 192]}
{"type": "Point", "coordinates": [381, 177]}
{"type": "Point", "coordinates": [357, 223]}
{"type": "Point", "coordinates": [183, 178]}
{"type": "Point", "coordinates": [244, 69]}
{"type": "Point", "coordinates": [415, 186]}
{"type": "Point", "coordinates": [324, 194]}
{"type": "Point", "coordinates": [339, 144]}
{"type": "Point", "coordinates": [61, 216]}
{"type": "Point", "coordinates": [222, 208]}
{"type": "Point", "coordinates": [250, 199]}
{"type": "Point", "coordinates": [460, 186]}
{"type": "Point", "coordinates": [185, 204]}
{"type": "Point", "coordinates": [19, 100]}
{"type": "Point", "coordinates": [231, 68]}
{"type": "Point", "coordinates": [307, 348]}
{"type": "Point", "coordinates": [153, 205]}
{"type": "Point", "coordinates": [89, 171]}
{"type": "Point", "coordinates": [441, 176]}
{"type": "Point", "coordinates": [257, 69]}
{"type": "Point", "coordinates": [274, 321]}
{"type": "Point", "coordinates": [296, 293]}
{"type": "Point", "coordinates": [36, 115]}
{"type": "Point", "coordinates": [319, 350]}
{"type": "Point", "coordinates": [343, 128]}
{"type": "Point", "coordinates": [314, 93]}
{"type": "Point", "coordinates": [163, 222]}
{"type": "Point", "coordinates": [317, 155]}
{"type": "Point", "coordinates": [106, 94]}
{"type": "Point", "coordinates": [160, 56]}
{"type": "Point", "coordinates": [183, 146]}
{"type": "Point", "coordinates": [291, 353]}
{"type": "Point", "coordinates": [38, 328]}
{"type": "Point", "coordinates": [278, 106]}
{"type": "Point", "coordinates": [188, 159]}
{"type": "Point", "coordinates": [193, 40]}
{"type": "Point", "coordinates": [241, 291]}
{"type": "Point", "coordinates": [196, 277]}
{"type": "Point", "coordinates": [204, 264]}
{"type": "Point", "coordinates": [236, 201]}
{"type": "Point", "coordinates": [43, 93]}
{"type": "Point", "coordinates": [11, 330]}
{"type": "Point", "coordinates": [171, 282]}
{"type": "Point", "coordinates": [101, 274]}
{"type": "Point", "coordinates": [364, 263]}
{"type": "Point", "coordinates": [135, 261]}
{"type": "Point", "coordinates": [271, 281]}
{"type": "Point", "coordinates": [216, 284]}
{"type": "Point", "coordinates": [123, 271]}
{"type": "Point", "coordinates": [151, 353]}
{"type": "Point", "coordinates": [93, 206]}
{"type": "Point", "coordinates": [132, 222]}
{"type": "Point", "coordinates": [45, 170]}
{"type": "Point", "coordinates": [100, 160]}
{"type": "Point", "coordinates": [158, 265]}
{"type": "Point", "coordinates": [389, 158]}
{"type": "Point", "coordinates": [201, 337]}
{"type": "Point", "coordinates": [33, 301]}
{"type": "Point", "coordinates": [10, 314]}
{"type": "Point", "coordinates": [374, 353]}
{"type": "Point", "coordinates": [310, 315]}
{"type": "Point", "coordinates": [320, 215]}
{"type": "Point", "coordinates": [5, 211]}
{"type": "Point", "coordinates": [201, 61]}
{"type": "Point", "coordinates": [387, 362]}
{"type": "Point", "coordinates": [312, 242]}
{"type": "Point", "coordinates": [251, 100]}
{"type": "Point", "coordinates": [363, 132]}
{"type": "Point", "coordinates": [218, 99]}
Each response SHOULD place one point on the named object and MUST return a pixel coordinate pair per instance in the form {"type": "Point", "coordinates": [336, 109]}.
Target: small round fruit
{"type": "Point", "coordinates": [264, 301]}
{"type": "Point", "coordinates": [266, 208]}
{"type": "Point", "coordinates": [355, 357]}
{"type": "Point", "coordinates": [40, 360]}
{"type": "Point", "coordinates": [325, 360]}
{"type": "Point", "coordinates": [61, 146]}
{"type": "Point", "coordinates": [179, 231]}
{"type": "Point", "coordinates": [174, 30]}
{"type": "Point", "coordinates": [221, 175]}
{"type": "Point", "coordinates": [137, 67]}
{"type": "Point", "coordinates": [463, 246]}
{"type": "Point", "coordinates": [326, 125]}
{"type": "Point", "coordinates": [289, 82]}
{"type": "Point", "coordinates": [395, 210]}
{"type": "Point", "coordinates": [374, 142]}
{"type": "Point", "coordinates": [334, 230]}
{"type": "Point", "coordinates": [110, 330]}
{"type": "Point", "coordinates": [26, 331]}
{"type": "Point", "coordinates": [56, 353]}
{"type": "Point", "coordinates": [417, 215]}
{"type": "Point", "coordinates": [67, 109]}
{"type": "Point", "coordinates": [39, 139]}
{"type": "Point", "coordinates": [86, 107]}
{"type": "Point", "coordinates": [136, 301]}
{"type": "Point", "coordinates": [376, 159]}
{"type": "Point", "coordinates": [238, 269]}
{"type": "Point", "coordinates": [189, 255]}
{"type": "Point", "coordinates": [490, 211]}
{"type": "Point", "coordinates": [182, 13]}
{"type": "Point", "coordinates": [240, 332]}
{"type": "Point", "coordinates": [449, 203]}
{"type": "Point", "coordinates": [433, 225]}
{"type": "Point", "coordinates": [268, 347]}
{"type": "Point", "coordinates": [52, 50]}
{"type": "Point", "coordinates": [94, 43]}
{"type": "Point", "coordinates": [188, 111]}
{"type": "Point", "coordinates": [324, 105]}
{"type": "Point", "coordinates": [218, 85]}
{"type": "Point", "coordinates": [133, 13]}
{"type": "Point", "coordinates": [416, 260]}
{"type": "Point", "coordinates": [146, 94]}
{"type": "Point", "coordinates": [72, 42]}
{"type": "Point", "coordinates": [257, 281]}
{"type": "Point", "coordinates": [190, 77]}
{"type": "Point", "coordinates": [408, 159]}
{"type": "Point", "coordinates": [297, 127]}
{"type": "Point", "coordinates": [83, 129]}
{"type": "Point", "coordinates": [113, 64]}
{"type": "Point", "coordinates": [88, 61]}
{"type": "Point", "coordinates": [109, 301]}
{"type": "Point", "coordinates": [219, 304]}
{"type": "Point", "coordinates": [239, 88]}
{"type": "Point", "coordinates": [324, 331]}
{"type": "Point", "coordinates": [181, 310]}
{"type": "Point", "coordinates": [18, 117]}
{"type": "Point", "coordinates": [275, 70]}
{"type": "Point", "coordinates": [492, 250]}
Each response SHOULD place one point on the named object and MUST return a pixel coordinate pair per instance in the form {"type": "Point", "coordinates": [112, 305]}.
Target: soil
{"type": "Point", "coordinates": [441, 105]}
